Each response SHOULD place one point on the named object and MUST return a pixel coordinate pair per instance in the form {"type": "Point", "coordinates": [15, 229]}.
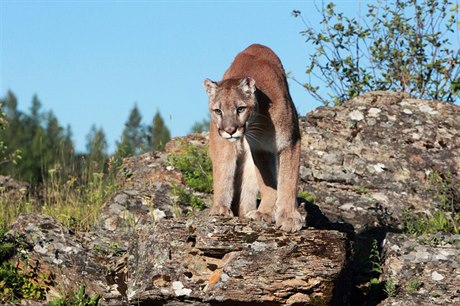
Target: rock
{"type": "Point", "coordinates": [345, 159]}
{"type": "Point", "coordinates": [200, 260]}
{"type": "Point", "coordinates": [13, 190]}
{"type": "Point", "coordinates": [60, 253]}
{"type": "Point", "coordinates": [363, 165]}
{"type": "Point", "coordinates": [214, 260]}
{"type": "Point", "coordinates": [425, 270]}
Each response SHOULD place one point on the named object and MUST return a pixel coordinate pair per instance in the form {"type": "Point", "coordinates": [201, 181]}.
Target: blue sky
{"type": "Point", "coordinates": [90, 61]}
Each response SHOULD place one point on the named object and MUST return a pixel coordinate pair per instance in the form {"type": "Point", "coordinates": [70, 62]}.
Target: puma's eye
{"type": "Point", "coordinates": [218, 112]}
{"type": "Point", "coordinates": [240, 109]}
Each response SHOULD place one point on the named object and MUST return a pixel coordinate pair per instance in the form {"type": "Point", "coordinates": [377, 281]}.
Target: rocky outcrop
{"type": "Point", "coordinates": [370, 160]}
{"type": "Point", "coordinates": [364, 166]}
{"type": "Point", "coordinates": [423, 270]}
{"type": "Point", "coordinates": [211, 261]}
{"type": "Point", "coordinates": [190, 261]}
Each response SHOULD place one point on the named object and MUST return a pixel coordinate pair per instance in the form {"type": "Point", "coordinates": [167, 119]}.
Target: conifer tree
{"type": "Point", "coordinates": [96, 146]}
{"type": "Point", "coordinates": [12, 134]}
{"type": "Point", "coordinates": [43, 144]}
{"type": "Point", "coordinates": [132, 139]}
{"type": "Point", "coordinates": [200, 126]}
{"type": "Point", "coordinates": [159, 133]}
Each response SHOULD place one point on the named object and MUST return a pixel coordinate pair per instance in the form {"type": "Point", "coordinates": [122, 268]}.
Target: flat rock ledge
{"type": "Point", "coordinates": [198, 260]}
{"type": "Point", "coordinates": [229, 261]}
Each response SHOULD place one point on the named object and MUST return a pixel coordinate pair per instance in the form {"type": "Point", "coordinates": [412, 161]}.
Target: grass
{"type": "Point", "coordinates": [390, 287]}
{"type": "Point", "coordinates": [76, 204]}
{"type": "Point", "coordinates": [446, 216]}
{"type": "Point", "coordinates": [78, 298]}
{"type": "Point", "coordinates": [413, 285]}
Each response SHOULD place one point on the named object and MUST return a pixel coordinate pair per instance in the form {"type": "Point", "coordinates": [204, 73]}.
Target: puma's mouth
{"type": "Point", "coordinates": [232, 137]}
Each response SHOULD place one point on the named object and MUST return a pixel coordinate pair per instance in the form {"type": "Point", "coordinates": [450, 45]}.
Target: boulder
{"type": "Point", "coordinates": [216, 261]}
{"type": "Point", "coordinates": [13, 190]}
{"type": "Point", "coordinates": [421, 271]}
{"type": "Point", "coordinates": [369, 161]}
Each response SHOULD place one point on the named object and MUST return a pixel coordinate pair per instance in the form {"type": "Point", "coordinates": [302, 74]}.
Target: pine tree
{"type": "Point", "coordinates": [32, 144]}
{"type": "Point", "coordinates": [200, 126]}
{"type": "Point", "coordinates": [39, 138]}
{"type": "Point", "coordinates": [159, 133]}
{"type": "Point", "coordinates": [96, 146]}
{"type": "Point", "coordinates": [12, 134]}
{"type": "Point", "coordinates": [132, 139]}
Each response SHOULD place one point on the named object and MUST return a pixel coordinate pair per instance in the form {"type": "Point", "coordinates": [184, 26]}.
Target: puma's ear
{"type": "Point", "coordinates": [248, 85]}
{"type": "Point", "coordinates": [210, 87]}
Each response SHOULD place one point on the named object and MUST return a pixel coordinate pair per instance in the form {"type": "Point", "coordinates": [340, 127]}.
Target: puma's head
{"type": "Point", "coordinates": [232, 104]}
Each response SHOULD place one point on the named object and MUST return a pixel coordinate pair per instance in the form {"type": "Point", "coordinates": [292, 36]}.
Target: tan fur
{"type": "Point", "coordinates": [255, 140]}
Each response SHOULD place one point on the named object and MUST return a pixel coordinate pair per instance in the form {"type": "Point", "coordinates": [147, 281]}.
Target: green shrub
{"type": "Point", "coordinates": [187, 198]}
{"type": "Point", "coordinates": [399, 45]}
{"type": "Point", "coordinates": [22, 281]}
{"type": "Point", "coordinates": [196, 167]}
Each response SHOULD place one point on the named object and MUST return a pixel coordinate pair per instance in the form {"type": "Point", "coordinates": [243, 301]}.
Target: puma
{"type": "Point", "coordinates": [255, 141]}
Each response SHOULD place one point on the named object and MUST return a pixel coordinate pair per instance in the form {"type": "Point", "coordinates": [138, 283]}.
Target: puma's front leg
{"type": "Point", "coordinates": [287, 217]}
{"type": "Point", "coordinates": [223, 160]}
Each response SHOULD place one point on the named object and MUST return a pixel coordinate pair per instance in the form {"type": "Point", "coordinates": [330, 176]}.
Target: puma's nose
{"type": "Point", "coordinates": [230, 130]}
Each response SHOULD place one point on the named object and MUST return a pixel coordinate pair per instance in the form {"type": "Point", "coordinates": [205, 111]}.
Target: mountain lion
{"type": "Point", "coordinates": [255, 141]}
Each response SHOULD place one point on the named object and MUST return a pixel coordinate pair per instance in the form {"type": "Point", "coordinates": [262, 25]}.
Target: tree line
{"type": "Point", "coordinates": [34, 145]}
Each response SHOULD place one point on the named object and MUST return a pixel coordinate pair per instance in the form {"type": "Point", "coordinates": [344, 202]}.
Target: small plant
{"type": "Point", "coordinates": [187, 198]}
{"type": "Point", "coordinates": [309, 197]}
{"type": "Point", "coordinates": [390, 287]}
{"type": "Point", "coordinates": [78, 298]}
{"type": "Point", "coordinates": [20, 280]}
{"type": "Point", "coordinates": [414, 285]}
{"type": "Point", "coordinates": [375, 263]}
{"type": "Point", "coordinates": [446, 191]}
{"type": "Point", "coordinates": [360, 189]}
{"type": "Point", "coordinates": [195, 165]}
{"type": "Point", "coordinates": [440, 221]}
{"type": "Point", "coordinates": [446, 218]}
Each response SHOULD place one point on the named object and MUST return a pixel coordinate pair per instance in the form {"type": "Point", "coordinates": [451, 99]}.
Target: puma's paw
{"type": "Point", "coordinates": [290, 221]}
{"type": "Point", "coordinates": [259, 216]}
{"type": "Point", "coordinates": [221, 210]}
